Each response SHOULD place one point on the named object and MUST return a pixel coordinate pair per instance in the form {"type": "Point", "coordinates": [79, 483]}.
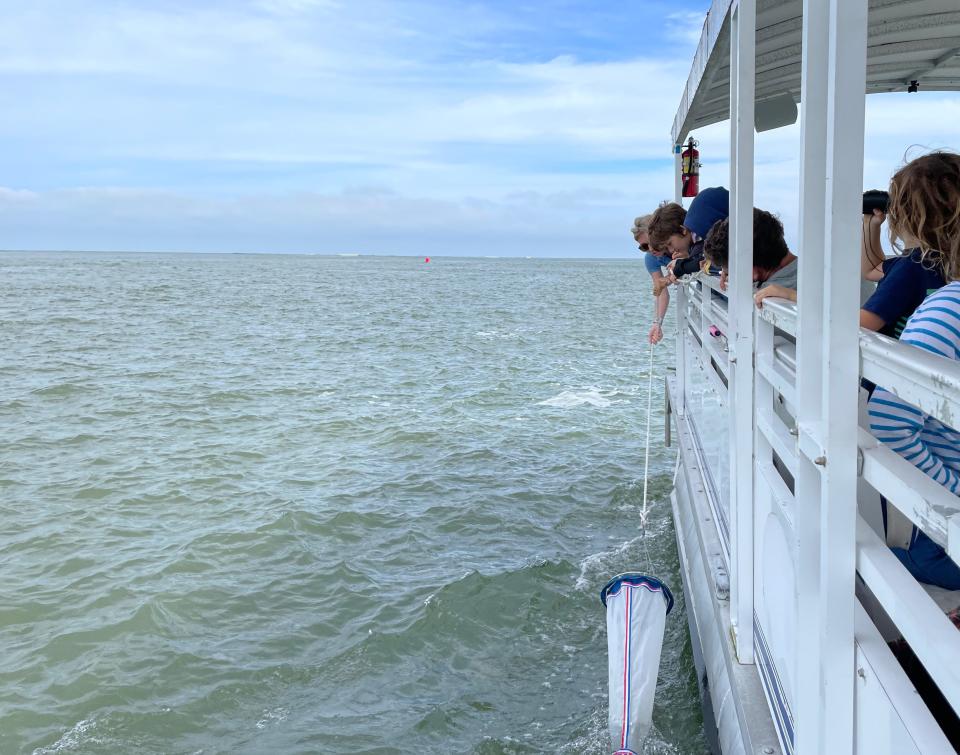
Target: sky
{"type": "Point", "coordinates": [414, 127]}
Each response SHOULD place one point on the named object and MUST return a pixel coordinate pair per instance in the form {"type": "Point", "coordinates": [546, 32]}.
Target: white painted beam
{"type": "Point", "coordinates": [813, 157]}
{"type": "Point", "coordinates": [846, 83]}
{"type": "Point", "coordinates": [740, 313]}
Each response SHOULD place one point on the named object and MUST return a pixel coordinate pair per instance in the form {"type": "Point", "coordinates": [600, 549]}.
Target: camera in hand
{"type": "Point", "coordinates": [875, 199]}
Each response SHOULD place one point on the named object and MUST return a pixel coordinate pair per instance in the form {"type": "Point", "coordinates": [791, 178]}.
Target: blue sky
{"type": "Point", "coordinates": [368, 126]}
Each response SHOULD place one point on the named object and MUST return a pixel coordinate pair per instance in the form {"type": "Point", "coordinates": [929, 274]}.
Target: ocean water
{"type": "Point", "coordinates": [292, 504]}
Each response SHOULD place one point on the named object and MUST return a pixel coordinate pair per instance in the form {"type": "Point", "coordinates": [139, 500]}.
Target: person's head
{"type": "Point", "coordinates": [709, 206]}
{"type": "Point", "coordinates": [769, 245]}
{"type": "Point", "coordinates": [716, 246]}
{"type": "Point", "coordinates": [924, 209]}
{"type": "Point", "coordinates": [640, 232]}
{"type": "Point", "coordinates": [667, 232]}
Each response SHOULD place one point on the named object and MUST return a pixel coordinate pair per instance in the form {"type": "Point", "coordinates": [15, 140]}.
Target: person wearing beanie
{"type": "Point", "coordinates": [709, 206]}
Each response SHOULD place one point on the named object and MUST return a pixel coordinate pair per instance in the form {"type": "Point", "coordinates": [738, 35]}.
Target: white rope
{"type": "Point", "coordinates": [646, 460]}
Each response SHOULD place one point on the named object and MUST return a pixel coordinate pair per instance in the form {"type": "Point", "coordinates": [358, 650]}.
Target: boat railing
{"type": "Point", "coordinates": [930, 382]}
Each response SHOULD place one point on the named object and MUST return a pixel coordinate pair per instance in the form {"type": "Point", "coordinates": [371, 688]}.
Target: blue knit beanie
{"type": "Point", "coordinates": [709, 206]}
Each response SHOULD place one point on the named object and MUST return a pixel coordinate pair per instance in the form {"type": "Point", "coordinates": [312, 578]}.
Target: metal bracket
{"type": "Point", "coordinates": [667, 412]}
{"type": "Point", "coordinates": [809, 443]}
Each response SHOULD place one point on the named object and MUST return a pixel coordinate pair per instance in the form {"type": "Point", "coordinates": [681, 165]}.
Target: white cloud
{"type": "Point", "coordinates": [318, 116]}
{"type": "Point", "coordinates": [685, 26]}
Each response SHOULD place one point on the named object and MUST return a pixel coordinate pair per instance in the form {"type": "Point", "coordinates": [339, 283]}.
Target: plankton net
{"type": "Point", "coordinates": [637, 608]}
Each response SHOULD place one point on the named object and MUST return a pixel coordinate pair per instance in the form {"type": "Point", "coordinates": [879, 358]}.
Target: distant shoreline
{"type": "Point", "coordinates": [345, 255]}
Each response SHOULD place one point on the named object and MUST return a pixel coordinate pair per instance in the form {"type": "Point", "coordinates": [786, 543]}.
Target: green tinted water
{"type": "Point", "coordinates": [337, 505]}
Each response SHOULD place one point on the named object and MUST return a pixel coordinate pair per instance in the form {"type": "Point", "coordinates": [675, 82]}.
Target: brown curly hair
{"type": "Point", "coordinates": [769, 245]}
{"type": "Point", "coordinates": [716, 246]}
{"type": "Point", "coordinates": [925, 210]}
{"type": "Point", "coordinates": [667, 220]}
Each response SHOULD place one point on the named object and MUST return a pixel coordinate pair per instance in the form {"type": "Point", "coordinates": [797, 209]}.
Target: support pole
{"type": "Point", "coordinates": [841, 365]}
{"type": "Point", "coordinates": [680, 298]}
{"type": "Point", "coordinates": [829, 346]}
{"type": "Point", "coordinates": [741, 337]}
{"type": "Point", "coordinates": [813, 177]}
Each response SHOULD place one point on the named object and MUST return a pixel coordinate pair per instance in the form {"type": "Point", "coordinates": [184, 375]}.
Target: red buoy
{"type": "Point", "coordinates": [426, 259]}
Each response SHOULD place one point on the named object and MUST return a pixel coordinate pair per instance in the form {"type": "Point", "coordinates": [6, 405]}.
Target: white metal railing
{"type": "Point", "coordinates": [930, 382]}
{"type": "Point", "coordinates": [705, 391]}
{"type": "Point", "coordinates": [927, 381]}
{"type": "Point", "coordinates": [933, 384]}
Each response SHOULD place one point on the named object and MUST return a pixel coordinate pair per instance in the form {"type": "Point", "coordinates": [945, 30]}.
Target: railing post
{"type": "Point", "coordinates": [680, 402]}
{"type": "Point", "coordinates": [813, 161]}
{"type": "Point", "coordinates": [680, 297]}
{"type": "Point", "coordinates": [742, 88]}
{"type": "Point", "coordinates": [833, 87]}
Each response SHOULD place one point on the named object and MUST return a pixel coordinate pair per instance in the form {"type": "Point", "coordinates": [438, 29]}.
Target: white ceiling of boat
{"type": "Point", "coordinates": [907, 40]}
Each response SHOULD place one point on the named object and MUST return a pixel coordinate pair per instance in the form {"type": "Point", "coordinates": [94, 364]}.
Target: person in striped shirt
{"type": "Point", "coordinates": [925, 213]}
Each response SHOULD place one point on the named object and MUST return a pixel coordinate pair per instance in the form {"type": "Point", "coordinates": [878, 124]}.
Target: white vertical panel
{"type": "Point", "coordinates": [704, 294]}
{"type": "Point", "coordinates": [677, 171]}
{"type": "Point", "coordinates": [813, 161]}
{"type": "Point", "coordinates": [740, 338]}
{"type": "Point", "coordinates": [680, 400]}
{"type": "Point", "coordinates": [841, 368]}
{"type": "Point", "coordinates": [680, 297]}
{"type": "Point", "coordinates": [833, 97]}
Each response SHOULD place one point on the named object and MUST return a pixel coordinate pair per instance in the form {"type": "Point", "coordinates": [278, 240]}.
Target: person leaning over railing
{"type": "Point", "coordinates": [681, 232]}
{"type": "Point", "coordinates": [774, 265]}
{"type": "Point", "coordinates": [925, 211]}
{"type": "Point", "coordinates": [903, 281]}
{"type": "Point", "coordinates": [653, 260]}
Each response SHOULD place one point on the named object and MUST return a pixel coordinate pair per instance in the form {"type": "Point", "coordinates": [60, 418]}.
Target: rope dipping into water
{"type": "Point", "coordinates": [686, 280]}
{"type": "Point", "coordinates": [645, 511]}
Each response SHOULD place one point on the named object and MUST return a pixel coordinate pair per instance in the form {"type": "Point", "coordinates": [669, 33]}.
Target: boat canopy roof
{"type": "Point", "coordinates": [908, 40]}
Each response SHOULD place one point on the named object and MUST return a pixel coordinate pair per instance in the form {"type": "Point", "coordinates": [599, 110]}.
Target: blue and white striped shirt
{"type": "Point", "coordinates": [930, 445]}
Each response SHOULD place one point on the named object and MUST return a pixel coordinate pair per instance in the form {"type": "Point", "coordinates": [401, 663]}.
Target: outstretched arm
{"type": "Point", "coordinates": [899, 425]}
{"type": "Point", "coordinates": [780, 292]}
{"type": "Point", "coordinates": [660, 304]}
{"type": "Point", "coordinates": [871, 252]}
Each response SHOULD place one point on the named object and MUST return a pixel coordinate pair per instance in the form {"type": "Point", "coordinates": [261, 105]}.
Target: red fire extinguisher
{"type": "Point", "coordinates": [690, 169]}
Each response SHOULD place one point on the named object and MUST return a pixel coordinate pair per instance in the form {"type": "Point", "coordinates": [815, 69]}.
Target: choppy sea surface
{"type": "Point", "coordinates": [304, 504]}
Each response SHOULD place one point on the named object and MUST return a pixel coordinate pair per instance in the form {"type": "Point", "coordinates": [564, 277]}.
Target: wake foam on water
{"type": "Point", "coordinates": [595, 569]}
{"type": "Point", "coordinates": [272, 716]}
{"type": "Point", "coordinates": [71, 740]}
{"type": "Point", "coordinates": [490, 335]}
{"type": "Point", "coordinates": [585, 397]}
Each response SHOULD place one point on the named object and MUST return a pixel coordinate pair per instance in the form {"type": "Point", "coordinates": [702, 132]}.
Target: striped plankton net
{"type": "Point", "coordinates": [637, 608]}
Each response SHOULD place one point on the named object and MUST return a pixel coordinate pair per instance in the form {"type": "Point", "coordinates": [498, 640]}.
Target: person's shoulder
{"type": "Point", "coordinates": [787, 275]}
{"type": "Point", "coordinates": [911, 266]}
{"type": "Point", "coordinates": [936, 321]}
{"type": "Point", "coordinates": [950, 293]}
